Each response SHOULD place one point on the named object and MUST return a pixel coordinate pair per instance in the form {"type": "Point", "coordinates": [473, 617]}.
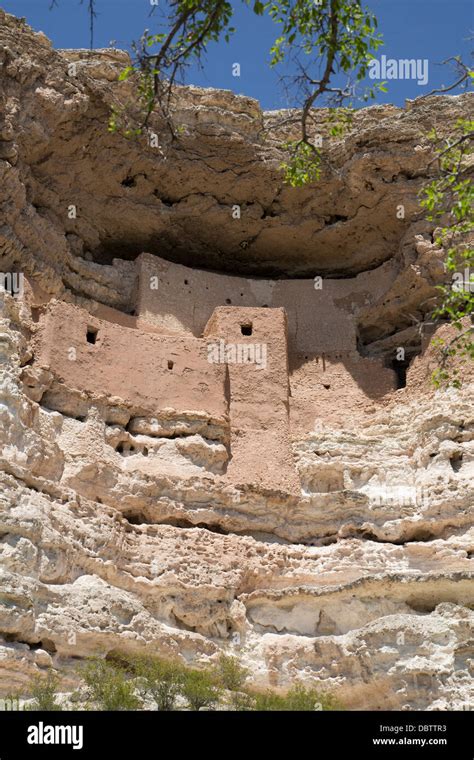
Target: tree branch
{"type": "Point", "coordinates": [331, 57]}
{"type": "Point", "coordinates": [463, 78]}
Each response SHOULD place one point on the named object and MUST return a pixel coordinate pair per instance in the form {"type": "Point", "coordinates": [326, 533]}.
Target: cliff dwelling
{"type": "Point", "coordinates": [231, 413]}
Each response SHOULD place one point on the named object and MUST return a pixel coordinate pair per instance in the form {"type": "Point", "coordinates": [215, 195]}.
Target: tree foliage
{"type": "Point", "coordinates": [321, 40]}
{"type": "Point", "coordinates": [324, 42]}
{"type": "Point", "coordinates": [448, 199]}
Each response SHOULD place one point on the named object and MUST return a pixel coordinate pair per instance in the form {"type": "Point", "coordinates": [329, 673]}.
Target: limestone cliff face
{"type": "Point", "coordinates": [301, 509]}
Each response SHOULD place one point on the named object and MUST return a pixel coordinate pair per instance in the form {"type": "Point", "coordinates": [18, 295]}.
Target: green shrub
{"type": "Point", "coordinates": [301, 698]}
{"type": "Point", "coordinates": [109, 688]}
{"type": "Point", "coordinates": [242, 701]}
{"type": "Point", "coordinates": [44, 692]}
{"type": "Point", "coordinates": [159, 679]}
{"type": "Point", "coordinates": [268, 700]}
{"type": "Point", "coordinates": [200, 689]}
{"type": "Point", "coordinates": [298, 698]}
{"type": "Point", "coordinates": [230, 673]}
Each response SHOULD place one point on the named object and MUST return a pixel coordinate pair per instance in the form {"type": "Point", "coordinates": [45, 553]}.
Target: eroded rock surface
{"type": "Point", "coordinates": [314, 519]}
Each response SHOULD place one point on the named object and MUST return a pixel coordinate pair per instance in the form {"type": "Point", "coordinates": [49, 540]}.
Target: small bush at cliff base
{"type": "Point", "coordinates": [44, 692]}
{"type": "Point", "coordinates": [159, 679]}
{"type": "Point", "coordinates": [199, 689]}
{"type": "Point", "coordinates": [241, 701]}
{"type": "Point", "coordinates": [108, 687]}
{"type": "Point", "coordinates": [298, 698]}
{"type": "Point", "coordinates": [301, 698]}
{"type": "Point", "coordinates": [230, 673]}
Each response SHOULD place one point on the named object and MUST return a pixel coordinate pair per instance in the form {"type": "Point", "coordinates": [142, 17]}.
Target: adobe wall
{"type": "Point", "coordinates": [260, 443]}
{"type": "Point", "coordinates": [334, 391]}
{"type": "Point", "coordinates": [148, 371]}
{"type": "Point", "coordinates": [319, 320]}
{"type": "Point", "coordinates": [154, 372]}
{"type": "Point", "coordinates": [158, 359]}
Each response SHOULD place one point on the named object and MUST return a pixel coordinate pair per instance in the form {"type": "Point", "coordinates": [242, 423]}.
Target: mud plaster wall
{"type": "Point", "coordinates": [258, 397]}
{"type": "Point", "coordinates": [153, 373]}
{"type": "Point", "coordinates": [328, 377]}
{"type": "Point", "coordinates": [149, 372]}
{"type": "Point", "coordinates": [320, 320]}
{"type": "Point", "coordinates": [157, 358]}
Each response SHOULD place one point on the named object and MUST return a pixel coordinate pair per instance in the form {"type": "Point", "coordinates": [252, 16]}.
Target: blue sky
{"type": "Point", "coordinates": [420, 29]}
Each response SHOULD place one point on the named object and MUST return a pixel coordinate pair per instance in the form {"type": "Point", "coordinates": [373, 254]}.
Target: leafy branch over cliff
{"type": "Point", "coordinates": [320, 39]}
{"type": "Point", "coordinates": [449, 199]}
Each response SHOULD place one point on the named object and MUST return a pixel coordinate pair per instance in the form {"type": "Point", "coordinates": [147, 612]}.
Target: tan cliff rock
{"type": "Point", "coordinates": [297, 505]}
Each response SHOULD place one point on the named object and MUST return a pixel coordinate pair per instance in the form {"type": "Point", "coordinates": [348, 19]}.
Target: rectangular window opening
{"type": "Point", "coordinates": [91, 335]}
